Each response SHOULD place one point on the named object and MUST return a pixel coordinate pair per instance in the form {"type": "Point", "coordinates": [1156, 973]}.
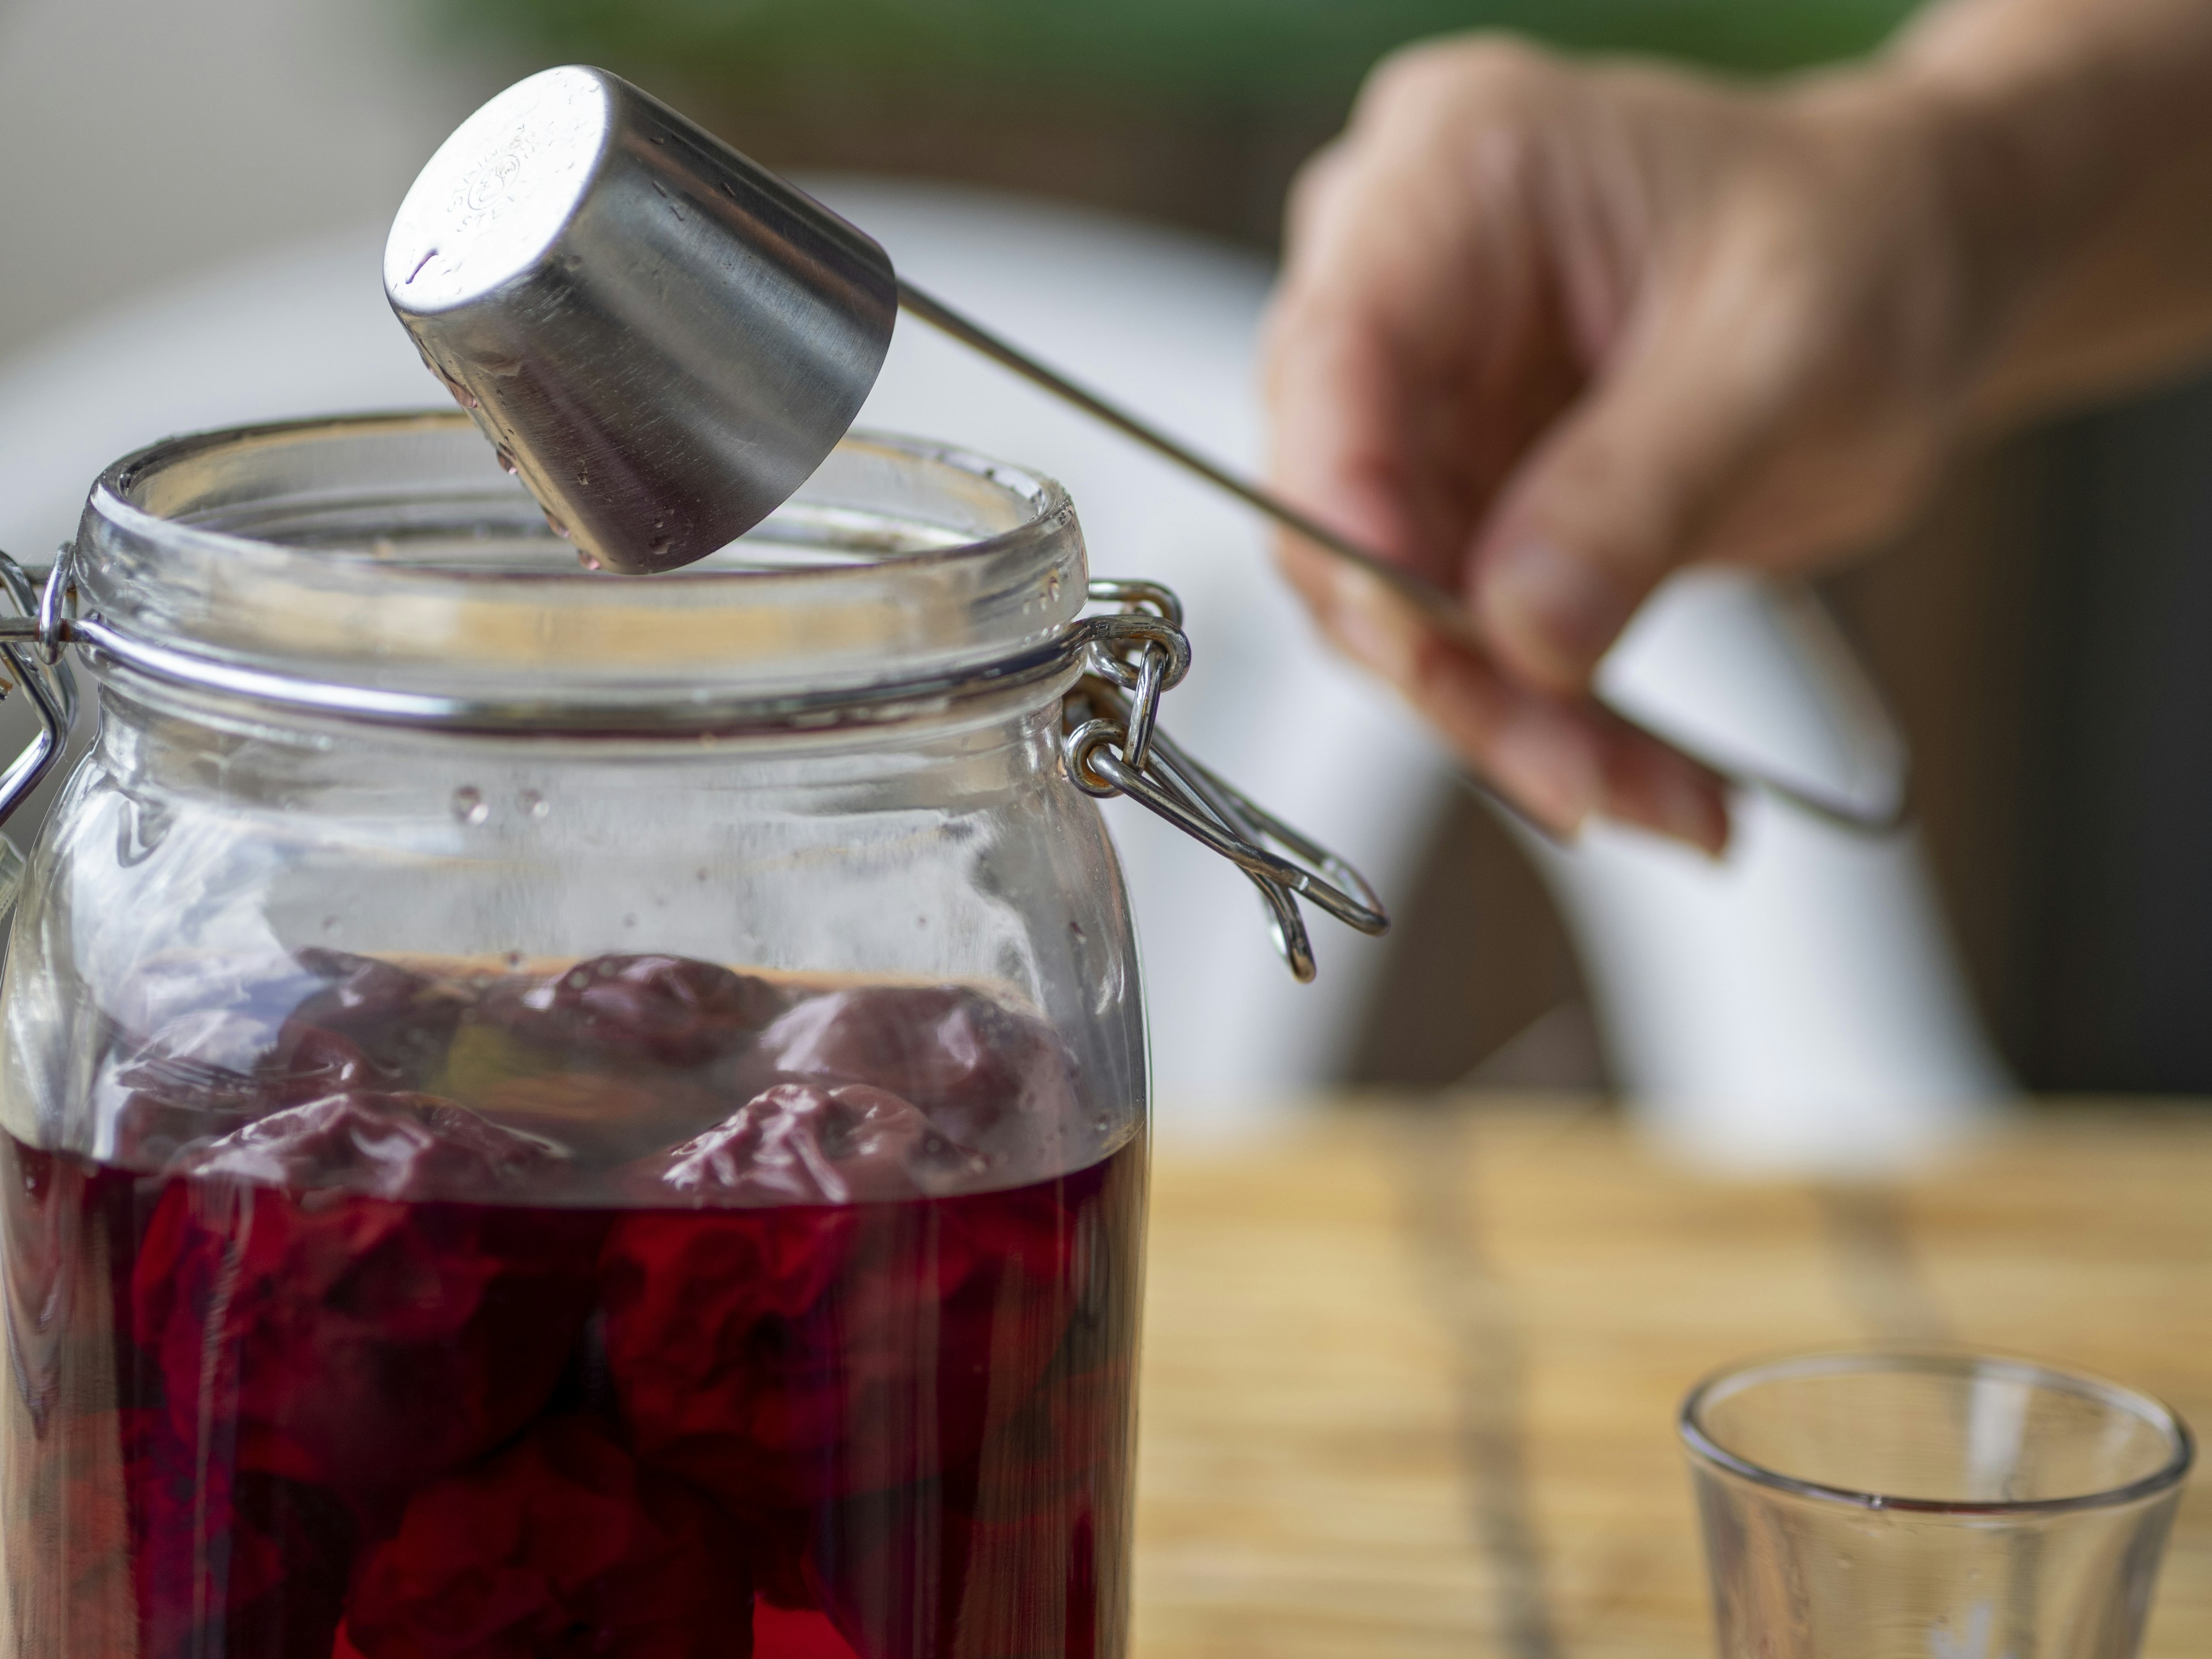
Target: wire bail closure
{"type": "Point", "coordinates": [1114, 746]}
{"type": "Point", "coordinates": [1112, 741]}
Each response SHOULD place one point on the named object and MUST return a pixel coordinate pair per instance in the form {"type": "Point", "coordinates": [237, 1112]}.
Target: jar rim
{"type": "Point", "coordinates": [381, 567]}
{"type": "Point", "coordinates": [1708, 1447]}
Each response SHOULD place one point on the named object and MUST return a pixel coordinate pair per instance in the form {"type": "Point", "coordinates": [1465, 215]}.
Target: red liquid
{"type": "Point", "coordinates": [295, 1417]}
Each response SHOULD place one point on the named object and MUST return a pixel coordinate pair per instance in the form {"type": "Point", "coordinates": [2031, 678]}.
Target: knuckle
{"type": "Point", "coordinates": [1310, 190]}
{"type": "Point", "coordinates": [1457, 73]}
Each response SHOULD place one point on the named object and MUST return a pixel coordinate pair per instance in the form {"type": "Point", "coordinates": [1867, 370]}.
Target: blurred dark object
{"type": "Point", "coordinates": [1946, 620]}
{"type": "Point", "coordinates": [2115, 894]}
{"type": "Point", "coordinates": [2045, 635]}
{"type": "Point", "coordinates": [1193, 111]}
{"type": "Point", "coordinates": [1480, 985]}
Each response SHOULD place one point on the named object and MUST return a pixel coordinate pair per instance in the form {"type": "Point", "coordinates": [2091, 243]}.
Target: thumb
{"type": "Point", "coordinates": [1615, 496]}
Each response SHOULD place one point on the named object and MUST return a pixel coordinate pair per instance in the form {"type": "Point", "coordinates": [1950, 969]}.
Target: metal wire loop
{"type": "Point", "coordinates": [1158, 599]}
{"type": "Point", "coordinates": [1144, 707]}
{"type": "Point", "coordinates": [1116, 647]}
{"type": "Point", "coordinates": [54, 602]}
{"type": "Point", "coordinates": [1079, 746]}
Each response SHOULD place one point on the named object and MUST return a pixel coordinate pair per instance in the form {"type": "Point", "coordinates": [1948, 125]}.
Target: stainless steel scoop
{"type": "Point", "coordinates": [665, 339]}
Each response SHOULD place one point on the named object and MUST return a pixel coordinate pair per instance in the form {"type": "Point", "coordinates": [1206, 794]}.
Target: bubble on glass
{"type": "Point", "coordinates": [533, 805]}
{"type": "Point", "coordinates": [330, 924]}
{"type": "Point", "coordinates": [514, 961]}
{"type": "Point", "coordinates": [469, 806]}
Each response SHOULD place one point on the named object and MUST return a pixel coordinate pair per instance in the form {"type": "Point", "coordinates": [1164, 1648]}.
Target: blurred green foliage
{"type": "Point", "coordinates": [1255, 53]}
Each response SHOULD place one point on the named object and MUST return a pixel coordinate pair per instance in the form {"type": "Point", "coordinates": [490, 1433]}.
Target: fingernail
{"type": "Point", "coordinates": [1545, 761]}
{"type": "Point", "coordinates": [1536, 597]}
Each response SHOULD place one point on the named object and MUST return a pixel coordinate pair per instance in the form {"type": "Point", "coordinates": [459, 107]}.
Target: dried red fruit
{"type": "Point", "coordinates": [317, 1062]}
{"type": "Point", "coordinates": [156, 1132]}
{"type": "Point", "coordinates": [797, 1633]}
{"type": "Point", "coordinates": [775, 1543]}
{"type": "Point", "coordinates": [987, 1079]}
{"type": "Point", "coordinates": [151, 1131]}
{"type": "Point", "coordinates": [777, 1356]}
{"type": "Point", "coordinates": [387, 1145]}
{"type": "Point", "coordinates": [559, 1546]}
{"type": "Point", "coordinates": [399, 1022]}
{"type": "Point", "coordinates": [799, 1144]}
{"type": "Point", "coordinates": [668, 1011]}
{"type": "Point", "coordinates": [367, 1025]}
{"type": "Point", "coordinates": [224, 1560]}
{"type": "Point", "coordinates": [215, 1062]}
{"type": "Point", "coordinates": [357, 1340]}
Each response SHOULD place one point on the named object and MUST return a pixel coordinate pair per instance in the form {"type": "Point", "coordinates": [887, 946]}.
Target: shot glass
{"type": "Point", "coordinates": [1910, 1505]}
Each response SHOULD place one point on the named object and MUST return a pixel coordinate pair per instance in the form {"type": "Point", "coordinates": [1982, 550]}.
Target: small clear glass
{"type": "Point", "coordinates": [1907, 1504]}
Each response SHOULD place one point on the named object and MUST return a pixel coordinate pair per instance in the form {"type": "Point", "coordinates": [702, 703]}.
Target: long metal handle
{"type": "Point", "coordinates": [1879, 817]}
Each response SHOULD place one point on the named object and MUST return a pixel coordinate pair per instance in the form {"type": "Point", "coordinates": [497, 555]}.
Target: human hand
{"type": "Point", "coordinates": [1547, 333]}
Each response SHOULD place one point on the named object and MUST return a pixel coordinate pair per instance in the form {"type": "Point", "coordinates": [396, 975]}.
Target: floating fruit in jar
{"type": "Point", "coordinates": [399, 1374]}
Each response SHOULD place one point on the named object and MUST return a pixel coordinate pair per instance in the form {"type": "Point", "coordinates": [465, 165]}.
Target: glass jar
{"type": "Point", "coordinates": [547, 1114]}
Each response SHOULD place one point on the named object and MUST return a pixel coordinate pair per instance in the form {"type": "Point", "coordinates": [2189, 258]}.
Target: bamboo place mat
{"type": "Point", "coordinates": [1410, 1373]}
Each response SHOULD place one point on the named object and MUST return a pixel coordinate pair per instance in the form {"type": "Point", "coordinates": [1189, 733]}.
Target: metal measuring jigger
{"type": "Point", "coordinates": [663, 340]}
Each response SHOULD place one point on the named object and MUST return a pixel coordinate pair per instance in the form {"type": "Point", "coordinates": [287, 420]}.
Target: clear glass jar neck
{"type": "Point", "coordinates": [157, 743]}
{"type": "Point", "coordinates": [382, 568]}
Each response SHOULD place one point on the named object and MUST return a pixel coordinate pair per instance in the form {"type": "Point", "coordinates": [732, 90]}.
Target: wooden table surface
{"type": "Point", "coordinates": [1410, 1374]}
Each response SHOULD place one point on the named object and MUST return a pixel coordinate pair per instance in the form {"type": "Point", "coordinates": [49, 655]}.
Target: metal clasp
{"type": "Point", "coordinates": [1113, 745]}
